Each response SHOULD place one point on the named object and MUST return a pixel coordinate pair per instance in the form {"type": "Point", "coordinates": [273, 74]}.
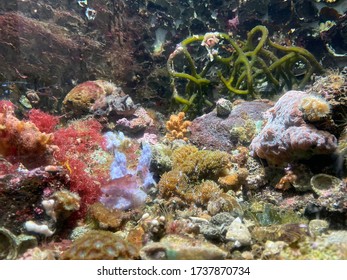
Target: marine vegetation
{"type": "Point", "coordinates": [243, 67]}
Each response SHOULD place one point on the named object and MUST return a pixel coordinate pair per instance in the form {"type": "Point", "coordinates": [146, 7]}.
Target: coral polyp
{"type": "Point", "coordinates": [100, 245]}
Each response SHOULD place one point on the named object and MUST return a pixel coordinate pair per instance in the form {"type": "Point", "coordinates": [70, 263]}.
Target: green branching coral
{"type": "Point", "coordinates": [241, 66]}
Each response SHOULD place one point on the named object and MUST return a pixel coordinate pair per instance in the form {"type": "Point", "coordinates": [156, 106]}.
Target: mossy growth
{"type": "Point", "coordinates": [241, 67]}
{"type": "Point", "coordinates": [266, 214]}
{"type": "Point", "coordinates": [201, 164]}
{"type": "Point", "coordinates": [194, 174]}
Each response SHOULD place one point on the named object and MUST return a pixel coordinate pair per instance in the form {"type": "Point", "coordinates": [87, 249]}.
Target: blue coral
{"type": "Point", "coordinates": [119, 166]}
{"type": "Point", "coordinates": [143, 166]}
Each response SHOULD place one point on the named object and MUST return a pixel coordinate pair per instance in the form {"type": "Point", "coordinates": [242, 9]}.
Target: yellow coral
{"type": "Point", "coordinates": [206, 190]}
{"type": "Point", "coordinates": [183, 158]}
{"type": "Point", "coordinates": [173, 183]}
{"type": "Point", "coordinates": [201, 164]}
{"type": "Point", "coordinates": [177, 127]}
{"type": "Point", "coordinates": [192, 174]}
{"type": "Point", "coordinates": [106, 218]}
{"type": "Point", "coordinates": [314, 108]}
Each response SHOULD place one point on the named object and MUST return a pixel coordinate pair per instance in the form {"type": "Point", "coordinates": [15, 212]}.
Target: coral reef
{"type": "Point", "coordinates": [27, 189]}
{"type": "Point", "coordinates": [81, 153]}
{"type": "Point", "coordinates": [194, 175]}
{"type": "Point", "coordinates": [107, 183]}
{"type": "Point", "coordinates": [286, 136]}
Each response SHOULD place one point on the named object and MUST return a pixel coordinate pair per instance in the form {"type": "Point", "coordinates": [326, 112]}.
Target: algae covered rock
{"type": "Point", "coordinates": [11, 245]}
{"type": "Point", "coordinates": [98, 97]}
{"type": "Point", "coordinates": [224, 133]}
{"type": "Point", "coordinates": [287, 136]}
{"type": "Point", "coordinates": [175, 247]}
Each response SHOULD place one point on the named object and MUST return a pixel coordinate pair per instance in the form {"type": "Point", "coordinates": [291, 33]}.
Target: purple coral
{"type": "Point", "coordinates": [287, 136]}
{"type": "Point", "coordinates": [127, 188]}
{"type": "Point", "coordinates": [122, 193]}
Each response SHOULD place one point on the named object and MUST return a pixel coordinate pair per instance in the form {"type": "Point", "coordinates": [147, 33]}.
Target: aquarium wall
{"type": "Point", "coordinates": [50, 46]}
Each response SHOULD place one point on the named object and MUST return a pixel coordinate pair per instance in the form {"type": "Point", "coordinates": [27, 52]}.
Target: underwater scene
{"type": "Point", "coordinates": [173, 129]}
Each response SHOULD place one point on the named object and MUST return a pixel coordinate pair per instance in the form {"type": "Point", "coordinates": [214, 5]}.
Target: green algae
{"type": "Point", "coordinates": [241, 66]}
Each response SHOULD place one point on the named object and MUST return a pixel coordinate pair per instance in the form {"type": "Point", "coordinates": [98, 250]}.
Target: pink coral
{"type": "Point", "coordinates": [123, 193]}
{"type": "Point", "coordinates": [136, 122]}
{"type": "Point", "coordinates": [287, 136]}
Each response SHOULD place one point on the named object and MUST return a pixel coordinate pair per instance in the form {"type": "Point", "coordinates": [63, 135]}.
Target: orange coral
{"type": "Point", "coordinates": [286, 181]}
{"type": "Point", "coordinates": [234, 181]}
{"type": "Point", "coordinates": [206, 190]}
{"type": "Point", "coordinates": [105, 218]}
{"type": "Point", "coordinates": [177, 127]}
{"type": "Point", "coordinates": [21, 138]}
{"type": "Point", "coordinates": [230, 181]}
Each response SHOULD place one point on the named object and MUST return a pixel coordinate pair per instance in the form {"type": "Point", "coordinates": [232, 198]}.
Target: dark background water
{"type": "Point", "coordinates": [50, 46]}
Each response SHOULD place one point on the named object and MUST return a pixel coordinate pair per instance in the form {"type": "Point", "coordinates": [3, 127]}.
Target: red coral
{"type": "Point", "coordinates": [76, 144]}
{"type": "Point", "coordinates": [80, 137]}
{"type": "Point", "coordinates": [43, 121]}
{"type": "Point", "coordinates": [84, 184]}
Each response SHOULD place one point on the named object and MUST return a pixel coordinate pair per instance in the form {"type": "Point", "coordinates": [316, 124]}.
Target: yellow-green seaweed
{"type": "Point", "coordinates": [244, 66]}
